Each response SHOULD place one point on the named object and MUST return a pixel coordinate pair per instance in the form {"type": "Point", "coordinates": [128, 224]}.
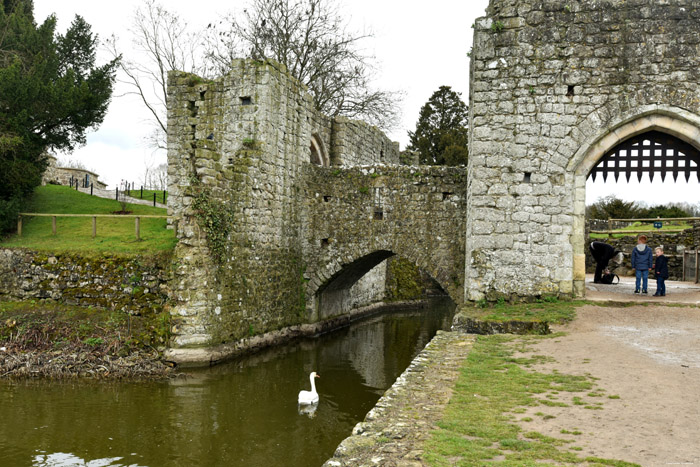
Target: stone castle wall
{"type": "Point", "coordinates": [238, 151]}
{"type": "Point", "coordinates": [553, 86]}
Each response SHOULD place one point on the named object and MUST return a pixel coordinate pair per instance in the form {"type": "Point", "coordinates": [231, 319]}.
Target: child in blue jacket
{"type": "Point", "coordinates": [661, 272]}
{"type": "Point", "coordinates": [642, 259]}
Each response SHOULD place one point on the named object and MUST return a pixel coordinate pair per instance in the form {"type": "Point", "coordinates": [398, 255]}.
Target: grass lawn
{"type": "Point", "coordinates": [114, 235]}
{"type": "Point", "coordinates": [479, 424]}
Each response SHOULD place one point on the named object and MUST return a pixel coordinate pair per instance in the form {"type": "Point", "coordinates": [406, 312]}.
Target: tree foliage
{"type": "Point", "coordinates": [442, 133]}
{"type": "Point", "coordinates": [51, 93]}
{"type": "Point", "coordinates": [612, 207]}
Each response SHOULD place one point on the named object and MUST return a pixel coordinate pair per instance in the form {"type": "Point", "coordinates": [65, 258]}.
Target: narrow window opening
{"type": "Point", "coordinates": [326, 199]}
{"type": "Point", "coordinates": [570, 91]}
{"type": "Point", "coordinates": [378, 215]}
{"type": "Point", "coordinates": [381, 154]}
{"type": "Point", "coordinates": [325, 242]}
{"type": "Point", "coordinates": [246, 100]}
{"type": "Point", "coordinates": [446, 195]}
{"type": "Point", "coordinates": [201, 94]}
{"type": "Point", "coordinates": [192, 108]}
{"type": "Point", "coordinates": [527, 178]}
{"type": "Point", "coordinates": [230, 160]}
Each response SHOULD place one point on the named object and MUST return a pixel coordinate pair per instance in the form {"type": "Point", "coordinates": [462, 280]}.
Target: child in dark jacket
{"type": "Point", "coordinates": [642, 260]}
{"type": "Point", "coordinates": [661, 272]}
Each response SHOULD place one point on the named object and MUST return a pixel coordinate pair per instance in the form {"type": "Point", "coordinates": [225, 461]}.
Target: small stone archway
{"type": "Point", "coordinates": [657, 118]}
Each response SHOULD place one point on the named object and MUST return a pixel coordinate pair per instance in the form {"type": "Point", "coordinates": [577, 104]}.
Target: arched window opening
{"type": "Point", "coordinates": [318, 152]}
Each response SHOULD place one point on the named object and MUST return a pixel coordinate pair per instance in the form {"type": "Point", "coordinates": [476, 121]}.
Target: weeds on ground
{"type": "Point", "coordinates": [549, 309]}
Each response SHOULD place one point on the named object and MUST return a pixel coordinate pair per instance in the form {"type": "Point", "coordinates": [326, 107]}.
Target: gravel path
{"type": "Point", "coordinates": [649, 356]}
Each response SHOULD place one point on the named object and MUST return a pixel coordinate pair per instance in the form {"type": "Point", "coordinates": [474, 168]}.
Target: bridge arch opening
{"type": "Point", "coordinates": [369, 279]}
{"type": "Point", "coordinates": [657, 146]}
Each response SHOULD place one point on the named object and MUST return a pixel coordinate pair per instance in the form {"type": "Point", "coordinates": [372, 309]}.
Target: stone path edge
{"type": "Point", "coordinates": [393, 432]}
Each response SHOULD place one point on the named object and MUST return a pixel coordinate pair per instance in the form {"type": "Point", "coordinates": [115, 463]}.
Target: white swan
{"type": "Point", "coordinates": [309, 397]}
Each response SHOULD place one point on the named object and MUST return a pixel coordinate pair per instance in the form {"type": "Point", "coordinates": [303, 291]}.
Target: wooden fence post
{"type": "Point", "coordinates": [19, 226]}
{"type": "Point", "coordinates": [94, 226]}
{"type": "Point", "coordinates": [137, 222]}
{"type": "Point", "coordinates": [53, 225]}
{"type": "Point", "coordinates": [697, 266]}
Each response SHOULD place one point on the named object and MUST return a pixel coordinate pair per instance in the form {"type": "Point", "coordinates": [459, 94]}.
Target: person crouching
{"type": "Point", "coordinates": [660, 272]}
{"type": "Point", "coordinates": [642, 259]}
{"type": "Point", "coordinates": [602, 253]}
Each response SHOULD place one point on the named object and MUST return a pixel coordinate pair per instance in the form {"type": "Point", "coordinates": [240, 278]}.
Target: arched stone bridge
{"type": "Point", "coordinates": [358, 217]}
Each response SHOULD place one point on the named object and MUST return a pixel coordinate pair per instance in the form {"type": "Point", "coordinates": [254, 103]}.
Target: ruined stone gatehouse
{"type": "Point", "coordinates": [284, 213]}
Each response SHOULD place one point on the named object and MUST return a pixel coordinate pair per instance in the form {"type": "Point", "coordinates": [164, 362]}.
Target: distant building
{"type": "Point", "coordinates": [68, 176]}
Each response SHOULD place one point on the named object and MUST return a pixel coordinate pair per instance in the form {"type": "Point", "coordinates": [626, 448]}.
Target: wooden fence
{"type": "Point", "coordinates": [137, 220]}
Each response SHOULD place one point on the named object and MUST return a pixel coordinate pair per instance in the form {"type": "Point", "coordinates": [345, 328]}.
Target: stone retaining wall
{"type": "Point", "coordinates": [132, 285]}
{"type": "Point", "coordinates": [674, 245]}
{"type": "Point", "coordinates": [393, 432]}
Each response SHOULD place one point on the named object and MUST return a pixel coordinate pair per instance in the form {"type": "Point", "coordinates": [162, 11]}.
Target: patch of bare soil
{"type": "Point", "coordinates": [649, 356]}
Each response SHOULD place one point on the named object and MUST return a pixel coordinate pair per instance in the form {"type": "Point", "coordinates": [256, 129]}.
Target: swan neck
{"type": "Point", "coordinates": [313, 384]}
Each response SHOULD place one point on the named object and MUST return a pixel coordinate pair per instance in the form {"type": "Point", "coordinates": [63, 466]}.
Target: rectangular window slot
{"type": "Point", "coordinates": [527, 178]}
{"type": "Point", "coordinates": [326, 199]}
{"type": "Point", "coordinates": [378, 215]}
{"type": "Point", "coordinates": [570, 91]}
{"type": "Point", "coordinates": [325, 242]}
{"type": "Point", "coordinates": [446, 195]}
{"type": "Point", "coordinates": [246, 100]}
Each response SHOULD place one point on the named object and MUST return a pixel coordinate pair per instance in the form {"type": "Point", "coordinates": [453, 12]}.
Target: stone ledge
{"type": "Point", "coordinates": [393, 432]}
{"type": "Point", "coordinates": [208, 356]}
{"type": "Point", "coordinates": [477, 326]}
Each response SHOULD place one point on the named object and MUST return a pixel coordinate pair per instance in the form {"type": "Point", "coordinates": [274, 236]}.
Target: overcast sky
{"type": "Point", "coordinates": [419, 47]}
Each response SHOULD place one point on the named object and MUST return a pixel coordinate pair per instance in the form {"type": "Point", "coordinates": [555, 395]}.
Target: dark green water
{"type": "Point", "coordinates": [243, 413]}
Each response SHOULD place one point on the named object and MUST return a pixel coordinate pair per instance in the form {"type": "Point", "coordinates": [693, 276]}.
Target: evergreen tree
{"type": "Point", "coordinates": [51, 93]}
{"type": "Point", "coordinates": [442, 134]}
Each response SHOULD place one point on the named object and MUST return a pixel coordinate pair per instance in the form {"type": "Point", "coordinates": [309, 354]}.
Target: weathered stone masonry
{"type": "Point", "coordinates": [265, 235]}
{"type": "Point", "coordinates": [553, 86]}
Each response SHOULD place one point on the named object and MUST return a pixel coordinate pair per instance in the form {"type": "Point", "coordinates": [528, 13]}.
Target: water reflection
{"type": "Point", "coordinates": [241, 413]}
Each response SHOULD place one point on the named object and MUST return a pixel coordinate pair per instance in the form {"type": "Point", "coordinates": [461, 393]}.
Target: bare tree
{"type": "Point", "coordinates": [308, 37]}
{"type": "Point", "coordinates": [314, 43]}
{"type": "Point", "coordinates": [161, 41]}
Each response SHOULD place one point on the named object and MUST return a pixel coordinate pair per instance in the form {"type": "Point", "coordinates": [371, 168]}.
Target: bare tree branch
{"type": "Point", "coordinates": [312, 41]}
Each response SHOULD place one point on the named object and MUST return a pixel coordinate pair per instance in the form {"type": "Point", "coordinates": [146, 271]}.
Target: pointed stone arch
{"type": "Point", "coordinates": [319, 155]}
{"type": "Point", "coordinates": [664, 119]}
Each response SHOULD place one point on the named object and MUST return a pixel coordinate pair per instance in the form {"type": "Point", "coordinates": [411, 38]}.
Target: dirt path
{"type": "Point", "coordinates": [649, 356]}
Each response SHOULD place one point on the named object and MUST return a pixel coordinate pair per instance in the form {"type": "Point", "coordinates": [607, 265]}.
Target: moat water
{"type": "Point", "coordinates": [243, 413]}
